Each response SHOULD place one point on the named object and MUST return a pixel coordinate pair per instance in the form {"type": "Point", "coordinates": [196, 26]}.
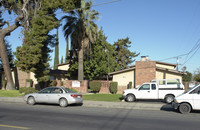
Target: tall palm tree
{"type": "Point", "coordinates": [80, 26]}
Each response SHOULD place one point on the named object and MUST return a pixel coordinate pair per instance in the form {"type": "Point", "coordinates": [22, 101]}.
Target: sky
{"type": "Point", "coordinates": [160, 29]}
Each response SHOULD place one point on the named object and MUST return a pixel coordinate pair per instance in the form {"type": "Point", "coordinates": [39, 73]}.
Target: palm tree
{"type": "Point", "coordinates": [81, 28]}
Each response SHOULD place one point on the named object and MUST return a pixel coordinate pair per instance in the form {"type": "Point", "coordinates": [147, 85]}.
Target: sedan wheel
{"type": "Point", "coordinates": [31, 101]}
{"type": "Point", "coordinates": [184, 108]}
{"type": "Point", "coordinates": [130, 98]}
{"type": "Point", "coordinates": [63, 102]}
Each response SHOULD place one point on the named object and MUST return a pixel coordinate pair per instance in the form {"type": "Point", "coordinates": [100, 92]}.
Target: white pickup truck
{"type": "Point", "coordinates": [190, 100]}
{"type": "Point", "coordinates": [165, 89]}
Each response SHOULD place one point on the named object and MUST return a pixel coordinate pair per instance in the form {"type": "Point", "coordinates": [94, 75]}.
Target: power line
{"type": "Point", "coordinates": [192, 55]}
{"type": "Point", "coordinates": [104, 3]}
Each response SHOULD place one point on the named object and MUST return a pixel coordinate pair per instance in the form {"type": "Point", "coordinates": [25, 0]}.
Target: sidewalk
{"type": "Point", "coordinates": [125, 105]}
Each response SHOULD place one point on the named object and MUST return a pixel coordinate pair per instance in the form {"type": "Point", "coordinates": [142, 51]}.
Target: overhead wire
{"type": "Point", "coordinates": [104, 3]}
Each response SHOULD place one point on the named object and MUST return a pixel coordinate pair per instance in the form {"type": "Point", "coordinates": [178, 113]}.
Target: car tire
{"type": "Point", "coordinates": [184, 108]}
{"type": "Point", "coordinates": [63, 102]}
{"type": "Point", "coordinates": [130, 98]}
{"type": "Point", "coordinates": [169, 99]}
{"type": "Point", "coordinates": [31, 100]}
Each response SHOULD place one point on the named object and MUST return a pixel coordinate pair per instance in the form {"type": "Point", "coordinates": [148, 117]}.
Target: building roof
{"type": "Point", "coordinates": [121, 71]}
{"type": "Point", "coordinates": [163, 63]}
{"type": "Point", "coordinates": [63, 64]}
{"type": "Point", "coordinates": [58, 72]}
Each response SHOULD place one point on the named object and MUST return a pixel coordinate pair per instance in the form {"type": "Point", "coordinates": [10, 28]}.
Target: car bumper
{"type": "Point", "coordinates": [175, 105]}
{"type": "Point", "coordinates": [75, 101]}
{"type": "Point", "coordinates": [123, 96]}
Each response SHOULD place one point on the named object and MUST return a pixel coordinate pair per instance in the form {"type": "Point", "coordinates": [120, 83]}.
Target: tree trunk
{"type": "Point", "coordinates": [80, 62]}
{"type": "Point", "coordinates": [6, 65]}
{"type": "Point", "coordinates": [4, 56]}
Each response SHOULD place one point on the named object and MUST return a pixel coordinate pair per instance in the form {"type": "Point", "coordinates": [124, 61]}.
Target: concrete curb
{"type": "Point", "coordinates": [123, 105]}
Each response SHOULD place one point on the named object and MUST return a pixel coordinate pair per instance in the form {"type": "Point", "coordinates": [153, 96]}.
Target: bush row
{"type": "Point", "coordinates": [27, 90]}
{"type": "Point", "coordinates": [95, 87]}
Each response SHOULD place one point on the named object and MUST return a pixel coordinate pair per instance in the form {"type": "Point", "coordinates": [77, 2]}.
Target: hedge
{"type": "Point", "coordinates": [95, 86]}
{"type": "Point", "coordinates": [113, 87]}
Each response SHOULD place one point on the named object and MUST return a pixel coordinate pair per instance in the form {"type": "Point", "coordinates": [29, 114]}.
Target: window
{"type": "Point", "coordinates": [56, 90]}
{"type": "Point", "coordinates": [145, 87]}
{"type": "Point", "coordinates": [195, 91]}
{"type": "Point", "coordinates": [47, 90]}
{"type": "Point", "coordinates": [153, 87]}
{"type": "Point", "coordinates": [173, 82]}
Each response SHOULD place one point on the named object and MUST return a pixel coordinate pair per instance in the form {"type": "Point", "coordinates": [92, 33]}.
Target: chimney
{"type": "Point", "coordinates": [144, 58]}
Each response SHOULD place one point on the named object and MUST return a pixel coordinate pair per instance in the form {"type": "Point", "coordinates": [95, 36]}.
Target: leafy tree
{"type": "Point", "coordinates": [56, 57]}
{"type": "Point", "coordinates": [10, 56]}
{"type": "Point", "coordinates": [187, 77]}
{"type": "Point", "coordinates": [20, 9]}
{"type": "Point", "coordinates": [82, 30]}
{"type": "Point", "coordinates": [100, 61]}
{"type": "Point", "coordinates": [34, 54]}
{"type": "Point", "coordinates": [197, 75]}
{"type": "Point", "coordinates": [123, 55]}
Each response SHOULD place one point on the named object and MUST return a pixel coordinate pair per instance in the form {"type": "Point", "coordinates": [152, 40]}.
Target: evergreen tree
{"type": "Point", "coordinates": [34, 55]}
{"type": "Point", "coordinates": [56, 57]}
{"type": "Point", "coordinates": [62, 60]}
{"type": "Point", "coordinates": [123, 55]}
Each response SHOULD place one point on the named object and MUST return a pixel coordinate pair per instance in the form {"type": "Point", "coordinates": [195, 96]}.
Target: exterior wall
{"type": "Point", "coordinates": [145, 71]}
{"type": "Point", "coordinates": [167, 75]}
{"type": "Point", "coordinates": [83, 85]}
{"type": "Point", "coordinates": [63, 67]}
{"type": "Point", "coordinates": [124, 78]}
{"type": "Point", "coordinates": [165, 66]}
{"type": "Point", "coordinates": [22, 76]}
{"type": "Point", "coordinates": [32, 76]}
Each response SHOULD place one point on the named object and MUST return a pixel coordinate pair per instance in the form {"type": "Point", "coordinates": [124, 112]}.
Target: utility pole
{"type": "Point", "coordinates": [177, 63]}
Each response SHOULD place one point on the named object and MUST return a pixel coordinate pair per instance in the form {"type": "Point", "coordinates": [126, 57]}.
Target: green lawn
{"type": "Point", "coordinates": [11, 93]}
{"type": "Point", "coordinates": [103, 97]}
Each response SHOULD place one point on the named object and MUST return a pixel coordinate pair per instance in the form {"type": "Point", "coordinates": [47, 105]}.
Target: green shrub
{"type": "Point", "coordinates": [130, 85]}
{"type": "Point", "coordinates": [26, 90]}
{"type": "Point", "coordinates": [30, 81]}
{"type": "Point", "coordinates": [95, 86]}
{"type": "Point", "coordinates": [53, 83]}
{"type": "Point", "coordinates": [113, 87]}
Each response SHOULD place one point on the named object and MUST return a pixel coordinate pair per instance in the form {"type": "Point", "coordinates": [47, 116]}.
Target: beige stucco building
{"type": "Point", "coordinates": [145, 71]}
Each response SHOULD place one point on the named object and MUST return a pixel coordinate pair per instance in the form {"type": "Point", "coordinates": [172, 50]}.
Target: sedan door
{"type": "Point", "coordinates": [55, 95]}
{"type": "Point", "coordinates": [43, 95]}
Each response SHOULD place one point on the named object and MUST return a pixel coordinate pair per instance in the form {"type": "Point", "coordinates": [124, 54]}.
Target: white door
{"type": "Point", "coordinates": [196, 98]}
{"type": "Point", "coordinates": [147, 91]}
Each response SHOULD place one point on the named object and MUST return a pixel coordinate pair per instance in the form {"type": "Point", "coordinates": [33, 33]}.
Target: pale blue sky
{"type": "Point", "coordinates": [158, 28]}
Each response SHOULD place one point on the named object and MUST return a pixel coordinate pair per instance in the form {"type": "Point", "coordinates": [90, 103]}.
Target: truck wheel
{"type": "Point", "coordinates": [169, 98]}
{"type": "Point", "coordinates": [130, 98]}
{"type": "Point", "coordinates": [184, 108]}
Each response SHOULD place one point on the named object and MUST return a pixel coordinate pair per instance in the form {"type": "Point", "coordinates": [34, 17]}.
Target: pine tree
{"type": "Point", "coordinates": [56, 57]}
{"type": "Point", "coordinates": [62, 60]}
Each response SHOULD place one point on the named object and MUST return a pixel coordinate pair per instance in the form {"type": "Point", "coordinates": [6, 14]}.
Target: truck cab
{"type": "Point", "coordinates": [190, 100]}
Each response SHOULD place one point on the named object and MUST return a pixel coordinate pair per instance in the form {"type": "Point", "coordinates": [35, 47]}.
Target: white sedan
{"type": "Point", "coordinates": [54, 95]}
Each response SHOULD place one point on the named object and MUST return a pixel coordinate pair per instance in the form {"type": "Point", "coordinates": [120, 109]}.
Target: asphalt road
{"type": "Point", "coordinates": [18, 116]}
